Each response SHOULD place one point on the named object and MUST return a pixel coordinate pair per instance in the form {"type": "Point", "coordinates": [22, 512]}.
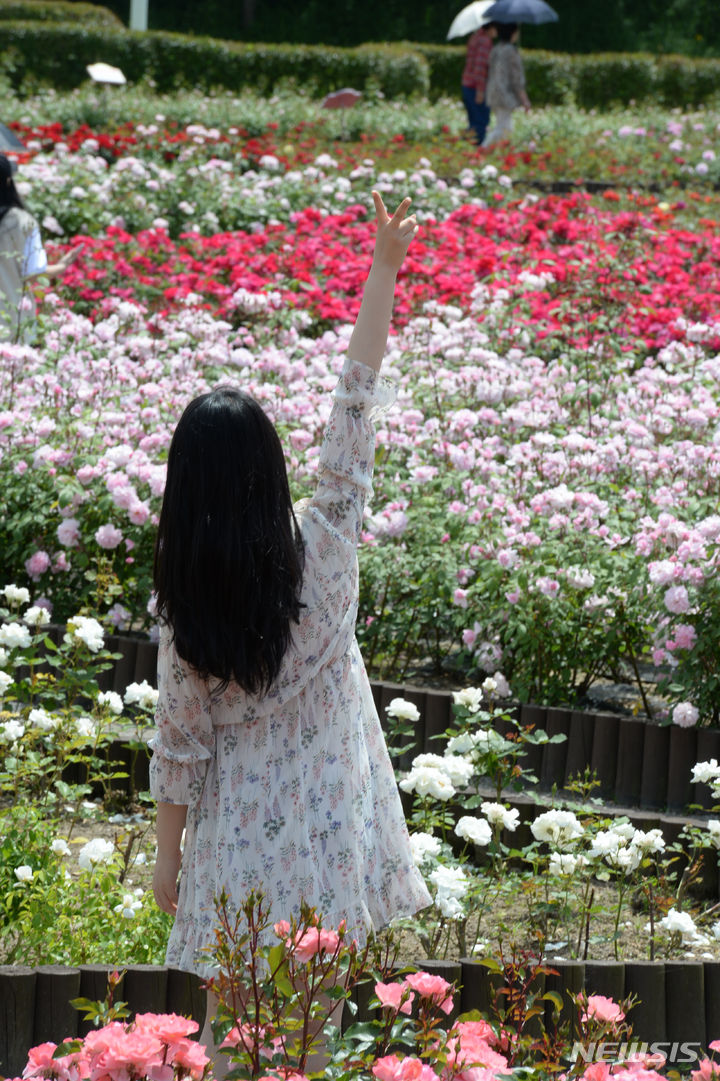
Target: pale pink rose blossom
{"type": "Point", "coordinates": [435, 988]}
{"type": "Point", "coordinates": [685, 715]}
{"type": "Point", "coordinates": [677, 600]}
{"type": "Point", "coordinates": [391, 996]}
{"type": "Point", "coordinates": [68, 532]}
{"type": "Point", "coordinates": [37, 564]}
{"type": "Point", "coordinates": [601, 1008]}
{"type": "Point", "coordinates": [108, 536]}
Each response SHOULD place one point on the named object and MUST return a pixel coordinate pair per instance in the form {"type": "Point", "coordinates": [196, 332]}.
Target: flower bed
{"type": "Point", "coordinates": [587, 380]}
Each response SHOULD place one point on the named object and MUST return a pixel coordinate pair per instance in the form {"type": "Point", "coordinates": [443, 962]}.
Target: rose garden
{"type": "Point", "coordinates": [539, 610]}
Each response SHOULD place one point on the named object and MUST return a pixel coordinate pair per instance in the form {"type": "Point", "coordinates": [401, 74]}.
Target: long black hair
{"type": "Point", "coordinates": [229, 554]}
{"type": "Point", "coordinates": [9, 195]}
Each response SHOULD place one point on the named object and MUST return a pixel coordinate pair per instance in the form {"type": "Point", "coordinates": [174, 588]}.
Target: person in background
{"type": "Point", "coordinates": [474, 80]}
{"type": "Point", "coordinates": [22, 257]}
{"type": "Point", "coordinates": [506, 82]}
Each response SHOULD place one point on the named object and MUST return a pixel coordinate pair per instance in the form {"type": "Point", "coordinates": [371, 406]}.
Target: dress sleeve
{"type": "Point", "coordinates": [347, 455]}
{"type": "Point", "coordinates": [185, 739]}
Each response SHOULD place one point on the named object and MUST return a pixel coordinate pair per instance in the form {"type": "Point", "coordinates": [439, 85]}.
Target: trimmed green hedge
{"type": "Point", "coordinates": [173, 60]}
{"type": "Point", "coordinates": [399, 70]}
{"type": "Point", "coordinates": [58, 11]}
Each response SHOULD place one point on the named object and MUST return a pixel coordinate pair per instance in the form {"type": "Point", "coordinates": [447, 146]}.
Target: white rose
{"type": "Point", "coordinates": [36, 616]}
{"type": "Point", "coordinates": [24, 873]}
{"type": "Point", "coordinates": [40, 718]}
{"type": "Point", "coordinates": [86, 630]}
{"type": "Point", "coordinates": [11, 731]}
{"type": "Point", "coordinates": [141, 694]}
{"type": "Point", "coordinates": [423, 846]}
{"type": "Point", "coordinates": [60, 847]}
{"type": "Point", "coordinates": [15, 636]}
{"type": "Point", "coordinates": [498, 815]}
{"type": "Point", "coordinates": [112, 700]}
{"type": "Point", "coordinates": [559, 828]}
{"type": "Point", "coordinates": [16, 594]}
{"type": "Point", "coordinates": [475, 830]}
{"type": "Point", "coordinates": [428, 781]}
{"type": "Point", "coordinates": [5, 682]}
{"type": "Point", "coordinates": [705, 772]}
{"type": "Point", "coordinates": [470, 698]}
{"type": "Point", "coordinates": [402, 710]}
{"type": "Point", "coordinates": [96, 851]}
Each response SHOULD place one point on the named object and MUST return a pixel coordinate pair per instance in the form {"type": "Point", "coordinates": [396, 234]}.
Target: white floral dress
{"type": "Point", "coordinates": [293, 793]}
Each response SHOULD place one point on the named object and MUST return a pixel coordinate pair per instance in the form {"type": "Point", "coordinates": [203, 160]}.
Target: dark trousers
{"type": "Point", "coordinates": [478, 114]}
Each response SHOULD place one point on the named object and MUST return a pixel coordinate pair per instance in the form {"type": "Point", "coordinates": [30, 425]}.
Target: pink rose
{"type": "Point", "coordinates": [685, 636]}
{"type": "Point", "coordinates": [707, 1071]}
{"type": "Point", "coordinates": [597, 1071]}
{"type": "Point", "coordinates": [600, 1008]}
{"type": "Point", "coordinates": [315, 940]}
{"type": "Point", "coordinates": [677, 600]}
{"type": "Point", "coordinates": [108, 536]}
{"type": "Point", "coordinates": [460, 598]}
{"type": "Point", "coordinates": [435, 988]}
{"type": "Point", "coordinates": [189, 1055]}
{"type": "Point", "coordinates": [68, 532]}
{"type": "Point", "coordinates": [685, 714]}
{"type": "Point", "coordinates": [282, 928]}
{"type": "Point", "coordinates": [168, 1027]}
{"type": "Point", "coordinates": [138, 512]}
{"type": "Point", "coordinates": [37, 564]}
{"type": "Point", "coordinates": [391, 996]}
{"type": "Point", "coordinates": [393, 1068]}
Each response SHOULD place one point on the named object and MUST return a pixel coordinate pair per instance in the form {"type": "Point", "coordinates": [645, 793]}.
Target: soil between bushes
{"type": "Point", "coordinates": [498, 931]}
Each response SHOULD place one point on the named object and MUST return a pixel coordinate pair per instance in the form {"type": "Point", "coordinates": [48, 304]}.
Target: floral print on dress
{"type": "Point", "coordinates": [293, 792]}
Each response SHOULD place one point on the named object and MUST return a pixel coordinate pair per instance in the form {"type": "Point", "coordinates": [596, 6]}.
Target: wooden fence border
{"type": "Point", "coordinates": [679, 1000]}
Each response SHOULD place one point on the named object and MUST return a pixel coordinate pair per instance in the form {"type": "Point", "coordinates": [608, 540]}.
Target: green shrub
{"type": "Point", "coordinates": [613, 78]}
{"type": "Point", "coordinates": [681, 81]}
{"type": "Point", "coordinates": [399, 70]}
{"type": "Point", "coordinates": [550, 77]}
{"type": "Point", "coordinates": [173, 60]}
{"type": "Point", "coordinates": [445, 64]}
{"type": "Point", "coordinates": [55, 11]}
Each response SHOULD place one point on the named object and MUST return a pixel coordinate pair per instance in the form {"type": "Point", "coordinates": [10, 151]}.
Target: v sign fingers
{"type": "Point", "coordinates": [393, 234]}
{"type": "Point", "coordinates": [380, 212]}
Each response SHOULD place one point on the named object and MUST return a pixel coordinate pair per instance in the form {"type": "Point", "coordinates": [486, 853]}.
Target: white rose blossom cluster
{"type": "Point", "coordinates": [439, 776]}
{"type": "Point", "coordinates": [94, 852]}
{"type": "Point", "coordinates": [707, 773]}
{"type": "Point", "coordinates": [682, 925]}
{"type": "Point", "coordinates": [451, 886]}
{"type": "Point", "coordinates": [142, 695]}
{"type": "Point", "coordinates": [86, 630]}
{"type": "Point", "coordinates": [402, 710]}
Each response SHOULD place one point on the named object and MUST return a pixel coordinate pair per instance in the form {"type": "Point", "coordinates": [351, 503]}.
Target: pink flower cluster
{"type": "Point", "coordinates": [154, 1047]}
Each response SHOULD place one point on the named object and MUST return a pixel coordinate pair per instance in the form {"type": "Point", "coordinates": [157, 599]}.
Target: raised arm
{"type": "Point", "coordinates": [369, 336]}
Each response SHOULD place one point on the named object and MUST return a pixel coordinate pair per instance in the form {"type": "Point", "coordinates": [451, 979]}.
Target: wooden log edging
{"type": "Point", "coordinates": [679, 1000]}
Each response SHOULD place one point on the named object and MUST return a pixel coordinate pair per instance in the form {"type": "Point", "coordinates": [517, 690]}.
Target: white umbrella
{"type": "Point", "coordinates": [469, 19]}
{"type": "Point", "coordinates": [105, 73]}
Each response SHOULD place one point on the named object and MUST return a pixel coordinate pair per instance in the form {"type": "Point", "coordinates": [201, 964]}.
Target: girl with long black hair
{"type": "Point", "coordinates": [269, 751]}
{"type": "Point", "coordinates": [22, 257]}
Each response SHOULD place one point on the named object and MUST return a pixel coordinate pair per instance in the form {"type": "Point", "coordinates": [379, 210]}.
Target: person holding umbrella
{"type": "Point", "coordinates": [474, 80]}
{"type": "Point", "coordinates": [22, 257]}
{"type": "Point", "coordinates": [506, 82]}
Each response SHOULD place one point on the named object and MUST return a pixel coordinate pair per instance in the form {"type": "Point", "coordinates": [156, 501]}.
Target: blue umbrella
{"type": "Point", "coordinates": [521, 11]}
